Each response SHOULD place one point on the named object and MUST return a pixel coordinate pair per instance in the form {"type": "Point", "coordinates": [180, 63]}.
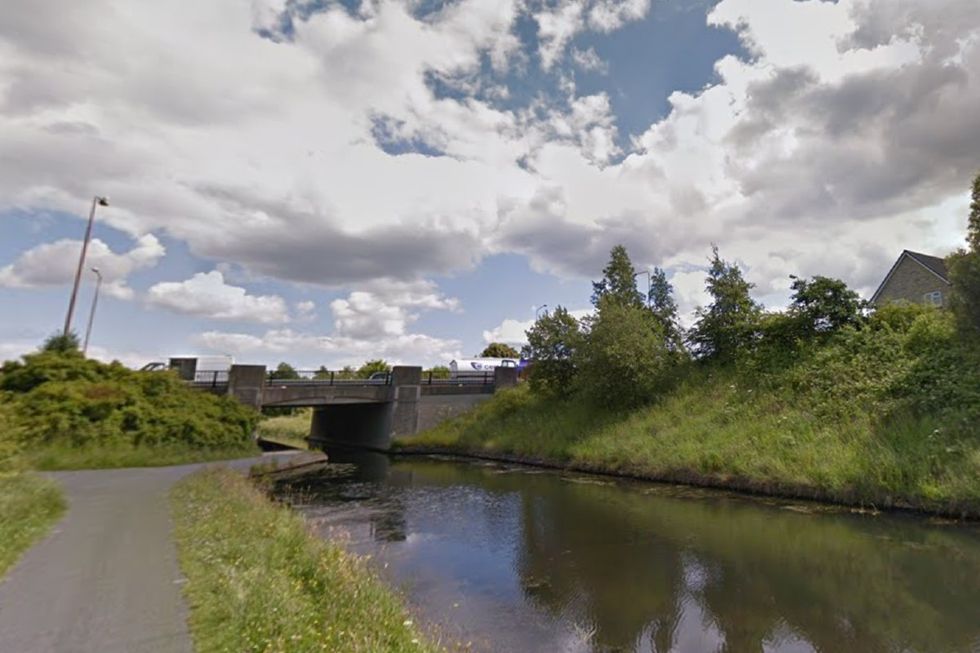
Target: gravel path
{"type": "Point", "coordinates": [106, 579]}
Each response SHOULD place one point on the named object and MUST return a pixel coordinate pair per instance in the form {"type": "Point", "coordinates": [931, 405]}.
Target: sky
{"type": "Point", "coordinates": [324, 182]}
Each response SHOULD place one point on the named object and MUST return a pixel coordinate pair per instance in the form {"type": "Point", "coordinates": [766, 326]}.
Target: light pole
{"type": "Point", "coordinates": [649, 284]}
{"type": "Point", "coordinates": [96, 201]}
{"type": "Point", "coordinates": [91, 313]}
{"type": "Point", "coordinates": [537, 311]}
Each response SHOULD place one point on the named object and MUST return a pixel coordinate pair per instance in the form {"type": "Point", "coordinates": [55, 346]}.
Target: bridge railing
{"type": "Point", "coordinates": [210, 378]}
{"type": "Point", "coordinates": [486, 378]}
{"type": "Point", "coordinates": [329, 377]}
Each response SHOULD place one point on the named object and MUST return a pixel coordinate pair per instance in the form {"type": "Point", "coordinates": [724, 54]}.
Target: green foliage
{"type": "Point", "coordinates": [283, 371]}
{"type": "Point", "coordinates": [64, 401]}
{"type": "Point", "coordinates": [61, 343]}
{"type": "Point", "coordinates": [371, 367]}
{"type": "Point", "coordinates": [728, 325]}
{"type": "Point", "coordinates": [275, 586]}
{"type": "Point", "coordinates": [964, 273]}
{"type": "Point", "coordinates": [499, 350]}
{"type": "Point", "coordinates": [29, 506]}
{"type": "Point", "coordinates": [624, 361]}
{"type": "Point", "coordinates": [618, 283]}
{"type": "Point", "coordinates": [823, 305]}
{"type": "Point", "coordinates": [553, 341]}
{"type": "Point", "coordinates": [664, 308]}
{"type": "Point", "coordinates": [885, 414]}
{"type": "Point", "coordinates": [439, 372]}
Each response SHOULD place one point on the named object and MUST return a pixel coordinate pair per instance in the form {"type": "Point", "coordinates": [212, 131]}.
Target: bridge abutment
{"type": "Point", "coordinates": [246, 383]}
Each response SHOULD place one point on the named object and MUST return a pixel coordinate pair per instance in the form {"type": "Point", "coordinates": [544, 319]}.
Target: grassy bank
{"type": "Point", "coordinates": [287, 429]}
{"type": "Point", "coordinates": [52, 458]}
{"type": "Point", "coordinates": [29, 506]}
{"type": "Point", "coordinates": [715, 430]}
{"type": "Point", "coordinates": [271, 585]}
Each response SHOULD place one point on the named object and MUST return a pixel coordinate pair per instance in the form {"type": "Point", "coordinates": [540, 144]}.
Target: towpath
{"type": "Point", "coordinates": [106, 578]}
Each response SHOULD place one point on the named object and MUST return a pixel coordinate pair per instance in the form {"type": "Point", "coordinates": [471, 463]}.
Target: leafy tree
{"type": "Point", "coordinates": [346, 372]}
{"type": "Point", "coordinates": [552, 344]}
{"type": "Point", "coordinates": [499, 350]}
{"type": "Point", "coordinates": [61, 343]}
{"type": "Point", "coordinates": [728, 324]}
{"type": "Point", "coordinates": [283, 371]}
{"type": "Point", "coordinates": [964, 273]}
{"type": "Point", "coordinates": [439, 372]}
{"type": "Point", "coordinates": [823, 305]}
{"type": "Point", "coordinates": [624, 361]}
{"type": "Point", "coordinates": [618, 281]}
{"type": "Point", "coordinates": [372, 366]}
{"type": "Point", "coordinates": [321, 373]}
{"type": "Point", "coordinates": [664, 308]}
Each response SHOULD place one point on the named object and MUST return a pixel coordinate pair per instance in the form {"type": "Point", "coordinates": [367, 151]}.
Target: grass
{"type": "Point", "coordinates": [55, 457]}
{"type": "Point", "coordinates": [287, 429]}
{"type": "Point", "coordinates": [274, 586]}
{"type": "Point", "coordinates": [29, 506]}
{"type": "Point", "coordinates": [714, 432]}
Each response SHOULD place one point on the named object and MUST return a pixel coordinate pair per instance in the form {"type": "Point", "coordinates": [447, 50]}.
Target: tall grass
{"type": "Point", "coordinates": [29, 505]}
{"type": "Point", "coordinates": [259, 581]}
{"type": "Point", "coordinates": [287, 429]}
{"type": "Point", "coordinates": [61, 456]}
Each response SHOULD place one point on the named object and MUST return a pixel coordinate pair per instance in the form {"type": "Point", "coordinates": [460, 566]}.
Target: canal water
{"type": "Point", "coordinates": [516, 559]}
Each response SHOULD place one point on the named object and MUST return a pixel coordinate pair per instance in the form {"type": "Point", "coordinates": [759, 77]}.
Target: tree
{"type": "Point", "coordinates": [618, 281]}
{"type": "Point", "coordinates": [61, 343]}
{"type": "Point", "coordinates": [728, 324]}
{"type": "Point", "coordinates": [964, 273]}
{"type": "Point", "coordinates": [499, 350]}
{"type": "Point", "coordinates": [664, 309]}
{"type": "Point", "coordinates": [371, 367]}
{"type": "Point", "coordinates": [824, 305]}
{"type": "Point", "coordinates": [624, 361]}
{"type": "Point", "coordinates": [283, 371]}
{"type": "Point", "coordinates": [552, 343]}
{"type": "Point", "coordinates": [439, 372]}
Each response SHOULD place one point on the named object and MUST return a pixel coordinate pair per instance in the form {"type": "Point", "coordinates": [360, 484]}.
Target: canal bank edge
{"type": "Point", "coordinates": [274, 585]}
{"type": "Point", "coordinates": [732, 483]}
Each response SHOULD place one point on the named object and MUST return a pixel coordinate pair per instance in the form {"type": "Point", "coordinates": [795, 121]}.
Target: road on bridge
{"type": "Point", "coordinates": [106, 578]}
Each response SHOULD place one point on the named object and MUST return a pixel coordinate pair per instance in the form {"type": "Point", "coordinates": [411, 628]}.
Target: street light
{"type": "Point", "coordinates": [537, 312]}
{"type": "Point", "coordinates": [91, 313]}
{"type": "Point", "coordinates": [649, 284]}
{"type": "Point", "coordinates": [96, 201]}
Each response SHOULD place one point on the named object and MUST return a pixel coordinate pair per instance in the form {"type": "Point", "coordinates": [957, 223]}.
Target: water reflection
{"type": "Point", "coordinates": [519, 560]}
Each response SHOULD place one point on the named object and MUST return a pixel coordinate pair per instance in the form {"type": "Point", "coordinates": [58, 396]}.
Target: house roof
{"type": "Point", "coordinates": [934, 264]}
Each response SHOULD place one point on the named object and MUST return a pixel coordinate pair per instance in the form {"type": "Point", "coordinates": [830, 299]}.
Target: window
{"type": "Point", "coordinates": [934, 298]}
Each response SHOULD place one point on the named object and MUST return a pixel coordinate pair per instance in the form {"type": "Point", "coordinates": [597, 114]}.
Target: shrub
{"type": "Point", "coordinates": [65, 400]}
{"type": "Point", "coordinates": [552, 345]}
{"type": "Point", "coordinates": [625, 360]}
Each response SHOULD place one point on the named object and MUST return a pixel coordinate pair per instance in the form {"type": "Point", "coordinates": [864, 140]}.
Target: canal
{"type": "Point", "coordinates": [515, 559]}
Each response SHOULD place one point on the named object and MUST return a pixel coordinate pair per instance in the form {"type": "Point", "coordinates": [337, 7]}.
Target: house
{"type": "Point", "coordinates": [915, 278]}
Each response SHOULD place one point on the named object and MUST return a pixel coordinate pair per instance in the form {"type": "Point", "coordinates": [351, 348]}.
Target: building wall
{"type": "Point", "coordinates": [909, 282]}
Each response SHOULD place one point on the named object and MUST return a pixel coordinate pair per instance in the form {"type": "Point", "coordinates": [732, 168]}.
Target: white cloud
{"type": "Point", "coordinates": [853, 127]}
{"type": "Point", "coordinates": [207, 295]}
{"type": "Point", "coordinates": [52, 264]}
{"type": "Point", "coordinates": [589, 59]}
{"type": "Point", "coordinates": [309, 350]}
{"type": "Point", "coordinates": [385, 309]}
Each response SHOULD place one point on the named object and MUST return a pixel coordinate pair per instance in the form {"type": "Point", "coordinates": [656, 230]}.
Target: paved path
{"type": "Point", "coordinates": [106, 579]}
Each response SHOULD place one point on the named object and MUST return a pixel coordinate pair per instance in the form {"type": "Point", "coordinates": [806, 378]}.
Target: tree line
{"type": "Point", "coordinates": [632, 349]}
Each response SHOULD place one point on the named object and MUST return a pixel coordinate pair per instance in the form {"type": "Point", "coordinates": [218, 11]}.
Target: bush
{"type": "Point", "coordinates": [625, 361]}
{"type": "Point", "coordinates": [63, 399]}
{"type": "Point", "coordinates": [552, 344]}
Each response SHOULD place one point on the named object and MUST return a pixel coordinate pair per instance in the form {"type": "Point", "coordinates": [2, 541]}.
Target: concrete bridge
{"type": "Point", "coordinates": [362, 412]}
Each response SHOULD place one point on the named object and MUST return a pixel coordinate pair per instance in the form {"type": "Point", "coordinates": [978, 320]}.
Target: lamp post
{"type": "Point", "coordinates": [91, 313]}
{"type": "Point", "coordinates": [649, 284]}
{"type": "Point", "coordinates": [537, 311]}
{"type": "Point", "coordinates": [96, 201]}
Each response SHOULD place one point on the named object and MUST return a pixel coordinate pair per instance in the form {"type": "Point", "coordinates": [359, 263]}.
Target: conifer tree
{"type": "Point", "coordinates": [618, 283]}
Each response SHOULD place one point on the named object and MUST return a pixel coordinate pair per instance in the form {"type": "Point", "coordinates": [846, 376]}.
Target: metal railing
{"type": "Point", "coordinates": [329, 377]}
